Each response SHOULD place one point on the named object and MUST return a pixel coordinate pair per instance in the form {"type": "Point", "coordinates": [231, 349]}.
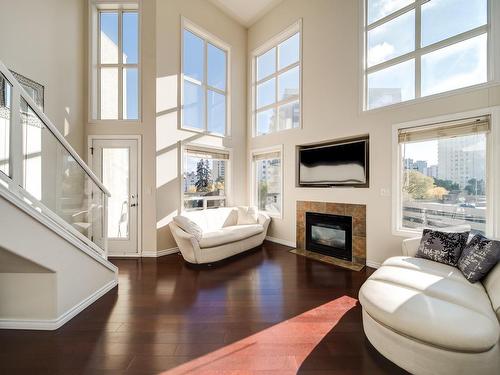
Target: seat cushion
{"type": "Point", "coordinates": [229, 234]}
{"type": "Point", "coordinates": [432, 303]}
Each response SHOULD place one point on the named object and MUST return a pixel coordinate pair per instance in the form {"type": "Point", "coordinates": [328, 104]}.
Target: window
{"type": "Point", "coordinates": [5, 119]}
{"type": "Point", "coordinates": [411, 53]}
{"type": "Point", "coordinates": [267, 181]}
{"type": "Point", "coordinates": [205, 178]}
{"type": "Point", "coordinates": [277, 83]}
{"type": "Point", "coordinates": [443, 175]}
{"type": "Point", "coordinates": [205, 81]}
{"type": "Point", "coordinates": [116, 75]}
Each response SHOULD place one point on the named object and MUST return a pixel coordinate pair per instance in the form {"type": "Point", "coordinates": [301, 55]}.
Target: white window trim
{"type": "Point", "coordinates": [296, 27]}
{"type": "Point", "coordinates": [493, 74]}
{"type": "Point", "coordinates": [229, 175]}
{"type": "Point", "coordinates": [207, 37]}
{"type": "Point", "coordinates": [253, 191]}
{"type": "Point", "coordinates": [94, 84]}
{"type": "Point", "coordinates": [493, 179]}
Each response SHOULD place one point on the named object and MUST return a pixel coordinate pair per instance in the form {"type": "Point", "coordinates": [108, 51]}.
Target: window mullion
{"type": "Point", "coordinates": [418, 45]}
{"type": "Point", "coordinates": [120, 65]}
{"type": "Point", "coordinates": [276, 90]}
{"type": "Point", "coordinates": [391, 16]}
{"type": "Point", "coordinates": [98, 91]}
{"type": "Point", "coordinates": [205, 82]}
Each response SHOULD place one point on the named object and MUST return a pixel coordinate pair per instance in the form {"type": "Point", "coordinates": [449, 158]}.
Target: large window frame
{"type": "Point", "coordinates": [492, 178]}
{"type": "Point", "coordinates": [491, 29]}
{"type": "Point", "coordinates": [253, 176]}
{"type": "Point", "coordinates": [207, 38]}
{"type": "Point", "coordinates": [202, 148]}
{"type": "Point", "coordinates": [274, 42]}
{"type": "Point", "coordinates": [96, 8]}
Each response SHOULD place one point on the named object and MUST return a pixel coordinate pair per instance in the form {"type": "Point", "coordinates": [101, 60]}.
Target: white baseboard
{"type": "Point", "coordinates": [280, 241]}
{"type": "Point", "coordinates": [52, 324]}
{"type": "Point", "coordinates": [159, 253]}
{"type": "Point", "coordinates": [147, 253]}
{"type": "Point", "coordinates": [371, 264]}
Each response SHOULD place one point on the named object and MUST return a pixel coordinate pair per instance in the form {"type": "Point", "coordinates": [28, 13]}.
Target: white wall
{"type": "Point", "coordinates": [331, 109]}
{"type": "Point", "coordinates": [45, 41]}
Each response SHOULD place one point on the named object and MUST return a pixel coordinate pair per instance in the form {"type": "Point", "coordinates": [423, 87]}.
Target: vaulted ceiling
{"type": "Point", "coordinates": [246, 12]}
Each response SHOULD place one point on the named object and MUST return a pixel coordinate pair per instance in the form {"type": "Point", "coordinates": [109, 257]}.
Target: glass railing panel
{"type": "Point", "coordinates": [53, 177]}
{"type": "Point", "coordinates": [5, 123]}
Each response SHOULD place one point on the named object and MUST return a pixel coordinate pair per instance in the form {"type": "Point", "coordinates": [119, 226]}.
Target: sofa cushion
{"type": "Point", "coordinates": [247, 215]}
{"type": "Point", "coordinates": [479, 257]}
{"type": "Point", "coordinates": [431, 302]}
{"type": "Point", "coordinates": [212, 219]}
{"type": "Point", "coordinates": [442, 247]}
{"type": "Point", "coordinates": [229, 234]}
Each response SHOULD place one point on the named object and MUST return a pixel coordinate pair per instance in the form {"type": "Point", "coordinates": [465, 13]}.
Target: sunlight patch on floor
{"type": "Point", "coordinates": [283, 347]}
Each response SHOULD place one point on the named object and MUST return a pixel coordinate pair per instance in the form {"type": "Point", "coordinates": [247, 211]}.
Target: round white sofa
{"type": "Point", "coordinates": [428, 319]}
{"type": "Point", "coordinates": [212, 235]}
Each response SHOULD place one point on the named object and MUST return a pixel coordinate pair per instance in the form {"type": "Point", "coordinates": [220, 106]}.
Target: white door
{"type": "Point", "coordinates": [115, 162]}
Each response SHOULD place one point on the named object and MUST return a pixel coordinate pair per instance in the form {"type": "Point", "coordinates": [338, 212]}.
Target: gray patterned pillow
{"type": "Point", "coordinates": [442, 247]}
{"type": "Point", "coordinates": [479, 257]}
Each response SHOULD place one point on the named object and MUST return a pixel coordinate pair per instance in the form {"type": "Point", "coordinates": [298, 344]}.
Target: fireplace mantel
{"type": "Point", "coordinates": [356, 211]}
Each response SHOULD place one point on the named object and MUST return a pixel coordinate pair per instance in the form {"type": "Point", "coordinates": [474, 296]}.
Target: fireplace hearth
{"type": "Point", "coordinates": [329, 235]}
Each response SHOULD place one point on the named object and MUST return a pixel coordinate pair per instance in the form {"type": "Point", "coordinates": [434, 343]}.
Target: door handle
{"type": "Point", "coordinates": [134, 205]}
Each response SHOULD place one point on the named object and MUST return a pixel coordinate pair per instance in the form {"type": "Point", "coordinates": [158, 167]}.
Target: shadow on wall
{"type": "Point", "coordinates": [169, 140]}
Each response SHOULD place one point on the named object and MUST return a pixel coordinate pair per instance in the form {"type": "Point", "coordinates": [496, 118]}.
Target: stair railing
{"type": "Point", "coordinates": [40, 169]}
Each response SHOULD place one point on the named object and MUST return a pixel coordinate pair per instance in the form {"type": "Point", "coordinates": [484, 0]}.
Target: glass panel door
{"type": "Point", "coordinates": [115, 161]}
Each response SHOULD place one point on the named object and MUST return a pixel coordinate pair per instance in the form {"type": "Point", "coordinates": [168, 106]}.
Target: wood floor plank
{"type": "Point", "coordinates": [263, 312]}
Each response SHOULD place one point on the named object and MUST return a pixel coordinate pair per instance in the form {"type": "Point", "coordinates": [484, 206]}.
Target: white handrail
{"type": "Point", "coordinates": [46, 121]}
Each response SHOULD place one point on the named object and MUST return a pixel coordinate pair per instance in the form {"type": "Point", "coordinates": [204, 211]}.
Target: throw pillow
{"type": "Point", "coordinates": [247, 215]}
{"type": "Point", "coordinates": [479, 257]}
{"type": "Point", "coordinates": [442, 247]}
{"type": "Point", "coordinates": [189, 226]}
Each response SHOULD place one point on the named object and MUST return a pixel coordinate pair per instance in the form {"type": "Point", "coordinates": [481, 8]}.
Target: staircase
{"type": "Point", "coordinates": [53, 215]}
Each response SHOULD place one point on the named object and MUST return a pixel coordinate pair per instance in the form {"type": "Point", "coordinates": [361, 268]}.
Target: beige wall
{"type": "Point", "coordinates": [168, 135]}
{"type": "Point", "coordinates": [43, 41]}
{"type": "Point", "coordinates": [331, 110]}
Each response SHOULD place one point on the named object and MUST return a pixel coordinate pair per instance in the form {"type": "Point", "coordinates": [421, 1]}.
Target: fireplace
{"type": "Point", "coordinates": [329, 234]}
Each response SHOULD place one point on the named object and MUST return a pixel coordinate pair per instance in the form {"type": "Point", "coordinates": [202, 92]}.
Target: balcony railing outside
{"type": "Point", "coordinates": [39, 166]}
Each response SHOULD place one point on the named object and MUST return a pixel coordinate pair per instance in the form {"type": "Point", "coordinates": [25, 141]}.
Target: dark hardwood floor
{"type": "Point", "coordinates": [264, 312]}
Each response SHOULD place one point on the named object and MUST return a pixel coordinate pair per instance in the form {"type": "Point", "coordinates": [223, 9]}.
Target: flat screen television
{"type": "Point", "coordinates": [338, 163]}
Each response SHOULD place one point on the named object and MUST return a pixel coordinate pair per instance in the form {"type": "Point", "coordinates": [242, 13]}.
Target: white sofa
{"type": "Point", "coordinates": [211, 235]}
{"type": "Point", "coordinates": [428, 319]}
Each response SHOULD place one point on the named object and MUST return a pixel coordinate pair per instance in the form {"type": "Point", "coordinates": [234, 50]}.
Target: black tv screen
{"type": "Point", "coordinates": [334, 164]}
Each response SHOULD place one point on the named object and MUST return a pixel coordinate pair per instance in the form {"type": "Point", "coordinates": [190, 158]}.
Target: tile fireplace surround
{"type": "Point", "coordinates": [356, 211]}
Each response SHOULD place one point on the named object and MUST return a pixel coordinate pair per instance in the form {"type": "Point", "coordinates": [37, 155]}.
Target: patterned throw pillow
{"type": "Point", "coordinates": [442, 247]}
{"type": "Point", "coordinates": [479, 257]}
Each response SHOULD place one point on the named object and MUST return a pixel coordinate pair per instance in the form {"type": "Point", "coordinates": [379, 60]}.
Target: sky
{"type": "Point", "coordinates": [109, 27]}
{"type": "Point", "coordinates": [459, 65]}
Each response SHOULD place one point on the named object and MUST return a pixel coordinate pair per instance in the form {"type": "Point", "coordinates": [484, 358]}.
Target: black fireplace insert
{"type": "Point", "coordinates": [329, 235]}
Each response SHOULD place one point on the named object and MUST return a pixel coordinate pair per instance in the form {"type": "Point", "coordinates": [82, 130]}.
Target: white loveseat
{"type": "Point", "coordinates": [211, 235]}
{"type": "Point", "coordinates": [428, 319]}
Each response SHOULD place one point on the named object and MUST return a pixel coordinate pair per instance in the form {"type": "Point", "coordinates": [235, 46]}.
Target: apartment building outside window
{"type": "Point", "coordinates": [267, 181]}
{"type": "Point", "coordinates": [443, 175]}
{"type": "Point", "coordinates": [205, 177]}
